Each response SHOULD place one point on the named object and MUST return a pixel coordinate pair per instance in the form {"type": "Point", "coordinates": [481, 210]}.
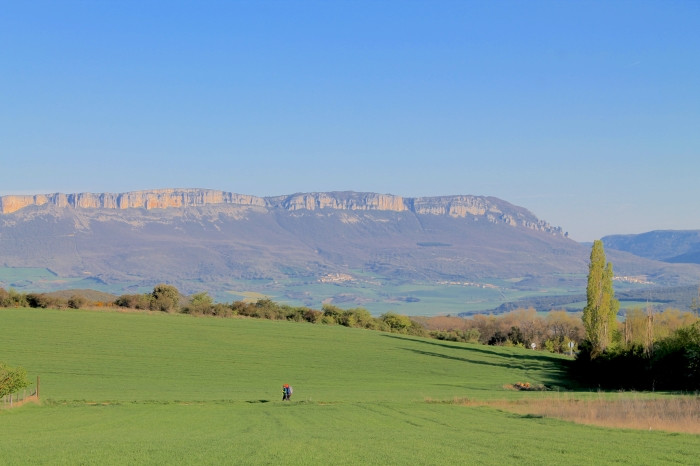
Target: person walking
{"type": "Point", "coordinates": [286, 392]}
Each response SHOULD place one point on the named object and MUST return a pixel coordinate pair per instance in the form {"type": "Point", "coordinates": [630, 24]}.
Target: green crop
{"type": "Point", "coordinates": [153, 388]}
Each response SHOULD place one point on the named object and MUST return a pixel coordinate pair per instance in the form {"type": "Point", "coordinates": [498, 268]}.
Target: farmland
{"type": "Point", "coordinates": [155, 388]}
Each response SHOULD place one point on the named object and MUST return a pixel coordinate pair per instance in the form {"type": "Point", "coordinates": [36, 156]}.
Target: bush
{"type": "Point", "coordinates": [165, 298]}
{"type": "Point", "coordinates": [12, 380]}
{"type": "Point", "coordinates": [4, 298]}
{"type": "Point", "coordinates": [45, 301]}
{"type": "Point", "coordinates": [397, 323]}
{"type": "Point", "coordinates": [222, 310]}
{"type": "Point", "coordinates": [134, 301]}
{"type": "Point", "coordinates": [450, 335]}
{"type": "Point", "coordinates": [677, 358]}
{"type": "Point", "coordinates": [328, 320]}
{"type": "Point", "coordinates": [334, 313]}
{"type": "Point", "coordinates": [295, 314]}
{"type": "Point", "coordinates": [498, 338]}
{"type": "Point", "coordinates": [76, 302]}
{"type": "Point", "coordinates": [363, 318]}
{"type": "Point", "coordinates": [674, 364]}
{"type": "Point", "coordinates": [12, 298]}
{"type": "Point", "coordinates": [267, 309]}
{"type": "Point", "coordinates": [312, 316]}
{"type": "Point", "coordinates": [471, 335]}
{"type": "Point", "coordinates": [515, 336]}
{"type": "Point", "coordinates": [348, 319]}
{"type": "Point", "coordinates": [199, 304]}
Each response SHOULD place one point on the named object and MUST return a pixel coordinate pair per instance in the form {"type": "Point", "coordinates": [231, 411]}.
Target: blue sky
{"type": "Point", "coordinates": [586, 113]}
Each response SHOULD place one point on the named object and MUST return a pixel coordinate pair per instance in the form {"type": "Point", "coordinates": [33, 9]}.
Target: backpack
{"type": "Point", "coordinates": [290, 390]}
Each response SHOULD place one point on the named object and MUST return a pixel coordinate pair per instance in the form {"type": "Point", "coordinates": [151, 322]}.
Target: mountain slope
{"type": "Point", "coordinates": [348, 247]}
{"type": "Point", "coordinates": [664, 245]}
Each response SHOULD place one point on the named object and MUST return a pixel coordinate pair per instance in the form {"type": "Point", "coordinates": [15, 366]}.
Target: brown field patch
{"type": "Point", "coordinates": [628, 411]}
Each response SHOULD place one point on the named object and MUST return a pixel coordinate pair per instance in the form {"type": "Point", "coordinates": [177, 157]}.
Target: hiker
{"type": "Point", "coordinates": [286, 392]}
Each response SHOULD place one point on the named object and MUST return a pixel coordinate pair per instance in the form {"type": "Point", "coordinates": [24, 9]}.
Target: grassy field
{"type": "Point", "coordinates": [140, 388]}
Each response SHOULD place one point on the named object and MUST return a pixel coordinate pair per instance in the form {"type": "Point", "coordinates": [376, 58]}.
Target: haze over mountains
{"type": "Point", "coordinates": [342, 247]}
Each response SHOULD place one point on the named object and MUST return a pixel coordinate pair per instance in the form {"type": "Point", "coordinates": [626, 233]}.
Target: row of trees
{"type": "Point", "coordinates": [168, 299]}
{"type": "Point", "coordinates": [552, 331]}
{"type": "Point", "coordinates": [12, 298]}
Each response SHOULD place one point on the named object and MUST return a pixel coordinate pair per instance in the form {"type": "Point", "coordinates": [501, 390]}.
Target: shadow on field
{"type": "Point", "coordinates": [555, 369]}
{"type": "Point", "coordinates": [478, 349]}
{"type": "Point", "coordinates": [523, 365]}
{"type": "Point", "coordinates": [258, 401]}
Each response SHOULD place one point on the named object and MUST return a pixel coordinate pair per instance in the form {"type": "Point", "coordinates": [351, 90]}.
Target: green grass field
{"type": "Point", "coordinates": [140, 388]}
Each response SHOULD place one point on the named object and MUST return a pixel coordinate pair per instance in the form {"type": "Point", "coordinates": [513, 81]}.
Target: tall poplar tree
{"type": "Point", "coordinates": [600, 313]}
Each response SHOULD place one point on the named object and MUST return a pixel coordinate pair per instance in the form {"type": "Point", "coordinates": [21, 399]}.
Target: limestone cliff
{"type": "Point", "coordinates": [479, 207]}
{"type": "Point", "coordinates": [152, 199]}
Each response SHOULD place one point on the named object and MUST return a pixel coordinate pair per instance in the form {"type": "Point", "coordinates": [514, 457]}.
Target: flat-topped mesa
{"type": "Point", "coordinates": [491, 209]}
{"type": "Point", "coordinates": [167, 198]}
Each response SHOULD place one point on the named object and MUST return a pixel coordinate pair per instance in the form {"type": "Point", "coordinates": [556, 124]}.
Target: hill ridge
{"type": "Point", "coordinates": [492, 209]}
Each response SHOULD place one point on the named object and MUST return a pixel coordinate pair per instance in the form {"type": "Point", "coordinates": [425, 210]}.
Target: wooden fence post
{"type": "Point", "coordinates": [37, 387]}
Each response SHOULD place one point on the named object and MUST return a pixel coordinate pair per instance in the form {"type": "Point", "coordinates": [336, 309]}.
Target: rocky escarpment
{"type": "Point", "coordinates": [463, 206]}
{"type": "Point", "coordinates": [152, 199]}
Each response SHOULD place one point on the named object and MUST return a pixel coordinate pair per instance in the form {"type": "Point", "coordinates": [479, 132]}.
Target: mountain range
{"type": "Point", "coordinates": [420, 255]}
{"type": "Point", "coordinates": [663, 245]}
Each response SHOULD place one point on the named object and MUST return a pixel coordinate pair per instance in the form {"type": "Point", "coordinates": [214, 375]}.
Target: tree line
{"type": "Point", "coordinates": [552, 331]}
{"type": "Point", "coordinates": [520, 328]}
{"type": "Point", "coordinates": [646, 351]}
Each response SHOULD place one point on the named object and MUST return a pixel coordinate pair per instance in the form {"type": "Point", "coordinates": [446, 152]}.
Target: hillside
{"type": "Point", "coordinates": [140, 388]}
{"type": "Point", "coordinates": [420, 255]}
{"type": "Point", "coordinates": [663, 245]}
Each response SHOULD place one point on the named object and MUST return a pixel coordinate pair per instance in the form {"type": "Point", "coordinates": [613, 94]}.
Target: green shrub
{"type": "Point", "coordinates": [471, 335]}
{"type": "Point", "coordinates": [295, 314]}
{"type": "Point", "coordinates": [134, 301]}
{"type": "Point", "coordinates": [446, 335]}
{"type": "Point", "coordinates": [199, 304]}
{"type": "Point", "coordinates": [330, 310]}
{"type": "Point", "coordinates": [165, 298]}
{"type": "Point", "coordinates": [44, 301]}
{"type": "Point", "coordinates": [673, 364]}
{"type": "Point", "coordinates": [498, 338]}
{"type": "Point", "coordinates": [12, 298]}
{"type": "Point", "coordinates": [76, 302]}
{"type": "Point", "coordinates": [4, 298]}
{"type": "Point", "coordinates": [221, 310]}
{"type": "Point", "coordinates": [313, 316]}
{"type": "Point", "coordinates": [328, 320]}
{"type": "Point", "coordinates": [12, 380]}
{"type": "Point", "coordinates": [397, 323]}
{"type": "Point", "coordinates": [348, 319]}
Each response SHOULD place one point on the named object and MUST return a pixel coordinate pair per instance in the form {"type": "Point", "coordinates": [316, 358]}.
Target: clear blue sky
{"type": "Point", "coordinates": [586, 113]}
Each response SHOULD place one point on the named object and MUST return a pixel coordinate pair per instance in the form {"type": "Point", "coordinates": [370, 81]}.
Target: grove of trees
{"type": "Point", "coordinates": [647, 351]}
